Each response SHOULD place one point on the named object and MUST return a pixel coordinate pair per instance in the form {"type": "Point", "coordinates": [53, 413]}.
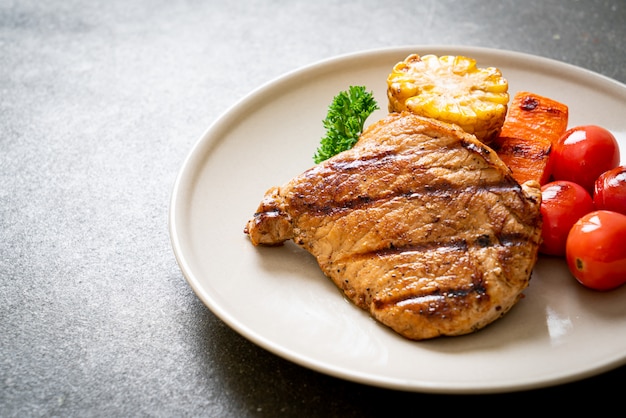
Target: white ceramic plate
{"type": "Point", "coordinates": [279, 299]}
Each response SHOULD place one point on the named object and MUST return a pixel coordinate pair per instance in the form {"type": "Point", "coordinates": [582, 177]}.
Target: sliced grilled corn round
{"type": "Point", "coordinates": [451, 89]}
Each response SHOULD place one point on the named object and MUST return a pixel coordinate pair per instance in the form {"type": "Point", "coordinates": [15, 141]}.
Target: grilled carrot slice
{"type": "Point", "coordinates": [532, 126]}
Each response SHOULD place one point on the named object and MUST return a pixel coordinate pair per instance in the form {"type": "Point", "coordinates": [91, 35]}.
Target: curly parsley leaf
{"type": "Point", "coordinates": [345, 120]}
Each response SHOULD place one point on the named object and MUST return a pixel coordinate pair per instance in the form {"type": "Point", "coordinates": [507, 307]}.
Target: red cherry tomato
{"type": "Point", "coordinates": [596, 254]}
{"type": "Point", "coordinates": [562, 204]}
{"type": "Point", "coordinates": [583, 153]}
{"type": "Point", "coordinates": [610, 190]}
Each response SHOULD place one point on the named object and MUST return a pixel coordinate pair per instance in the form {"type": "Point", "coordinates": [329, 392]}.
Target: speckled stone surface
{"type": "Point", "coordinates": [100, 102]}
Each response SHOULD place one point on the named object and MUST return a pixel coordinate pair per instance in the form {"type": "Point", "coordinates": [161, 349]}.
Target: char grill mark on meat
{"type": "Point", "coordinates": [481, 241]}
{"type": "Point", "coordinates": [427, 191]}
{"type": "Point", "coordinates": [430, 303]}
{"type": "Point", "coordinates": [419, 224]}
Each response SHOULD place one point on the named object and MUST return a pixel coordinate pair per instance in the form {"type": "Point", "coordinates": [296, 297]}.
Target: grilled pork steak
{"type": "Point", "coordinates": [419, 223]}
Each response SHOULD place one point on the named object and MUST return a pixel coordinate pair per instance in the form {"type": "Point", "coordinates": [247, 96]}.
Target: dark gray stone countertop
{"type": "Point", "coordinates": [100, 103]}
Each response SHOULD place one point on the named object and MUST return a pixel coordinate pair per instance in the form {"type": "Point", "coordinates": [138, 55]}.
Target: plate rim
{"type": "Point", "coordinates": [208, 139]}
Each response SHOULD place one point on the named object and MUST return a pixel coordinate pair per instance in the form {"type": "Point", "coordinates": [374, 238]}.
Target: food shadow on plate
{"type": "Point", "coordinates": [297, 269]}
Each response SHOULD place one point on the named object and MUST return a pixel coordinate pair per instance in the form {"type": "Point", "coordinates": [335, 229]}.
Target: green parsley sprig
{"type": "Point", "coordinates": [345, 120]}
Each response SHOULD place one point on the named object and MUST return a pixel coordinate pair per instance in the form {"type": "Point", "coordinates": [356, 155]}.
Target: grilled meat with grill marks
{"type": "Point", "coordinates": [419, 223]}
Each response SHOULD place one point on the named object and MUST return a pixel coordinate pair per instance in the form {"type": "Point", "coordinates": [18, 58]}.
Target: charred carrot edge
{"type": "Point", "coordinates": [532, 126]}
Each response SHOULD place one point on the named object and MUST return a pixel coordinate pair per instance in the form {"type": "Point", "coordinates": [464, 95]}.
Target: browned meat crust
{"type": "Point", "coordinates": [420, 224]}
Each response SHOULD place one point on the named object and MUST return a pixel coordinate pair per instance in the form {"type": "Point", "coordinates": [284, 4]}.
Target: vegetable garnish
{"type": "Point", "coordinates": [345, 120]}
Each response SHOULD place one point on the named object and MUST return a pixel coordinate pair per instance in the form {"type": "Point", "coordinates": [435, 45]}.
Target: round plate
{"type": "Point", "coordinates": [279, 299]}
